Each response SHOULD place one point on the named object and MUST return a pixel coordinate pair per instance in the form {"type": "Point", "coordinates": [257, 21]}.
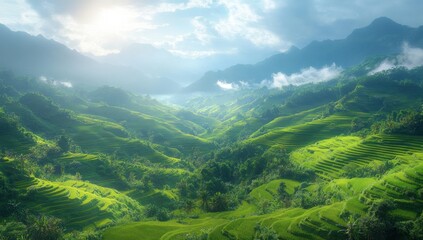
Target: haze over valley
{"type": "Point", "coordinates": [211, 119]}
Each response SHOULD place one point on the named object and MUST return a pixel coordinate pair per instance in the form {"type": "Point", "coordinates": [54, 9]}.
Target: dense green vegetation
{"type": "Point", "coordinates": [336, 160]}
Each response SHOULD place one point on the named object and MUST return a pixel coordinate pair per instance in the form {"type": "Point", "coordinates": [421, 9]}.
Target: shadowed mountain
{"type": "Point", "coordinates": [382, 37]}
{"type": "Point", "coordinates": [36, 55]}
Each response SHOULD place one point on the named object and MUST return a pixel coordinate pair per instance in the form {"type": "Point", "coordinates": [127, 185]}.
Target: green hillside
{"type": "Point", "coordinates": [341, 159]}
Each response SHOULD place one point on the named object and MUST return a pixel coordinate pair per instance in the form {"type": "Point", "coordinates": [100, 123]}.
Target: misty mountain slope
{"type": "Point", "coordinates": [357, 153]}
{"type": "Point", "coordinates": [156, 62]}
{"type": "Point", "coordinates": [305, 160]}
{"type": "Point", "coordinates": [383, 37]}
{"type": "Point", "coordinates": [179, 66]}
{"type": "Point", "coordinates": [37, 56]}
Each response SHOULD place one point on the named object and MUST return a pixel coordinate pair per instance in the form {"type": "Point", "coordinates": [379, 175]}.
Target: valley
{"type": "Point", "coordinates": [322, 142]}
{"type": "Point", "coordinates": [130, 166]}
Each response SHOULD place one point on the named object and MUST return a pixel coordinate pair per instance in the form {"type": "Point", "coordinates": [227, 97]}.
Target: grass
{"type": "Point", "coordinates": [13, 137]}
{"type": "Point", "coordinates": [155, 230]}
{"type": "Point", "coordinates": [320, 222]}
{"type": "Point", "coordinates": [163, 198]}
{"type": "Point", "coordinates": [99, 136]}
{"type": "Point", "coordinates": [303, 134]}
{"type": "Point", "coordinates": [402, 187]}
{"type": "Point", "coordinates": [172, 132]}
{"type": "Point", "coordinates": [269, 191]}
{"type": "Point", "coordinates": [80, 205]}
{"type": "Point", "coordinates": [92, 169]}
{"type": "Point", "coordinates": [291, 120]}
{"type": "Point", "coordinates": [330, 158]}
{"type": "Point", "coordinates": [164, 137]}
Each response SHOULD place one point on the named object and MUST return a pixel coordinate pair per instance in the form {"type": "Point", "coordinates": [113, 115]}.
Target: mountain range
{"type": "Point", "coordinates": [383, 37]}
{"type": "Point", "coordinates": [142, 68]}
{"type": "Point", "coordinates": [38, 56]}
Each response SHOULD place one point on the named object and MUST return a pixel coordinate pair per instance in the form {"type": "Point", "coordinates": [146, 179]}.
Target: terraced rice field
{"type": "Point", "coordinates": [286, 121]}
{"type": "Point", "coordinates": [92, 169]}
{"type": "Point", "coordinates": [321, 222]}
{"type": "Point", "coordinates": [293, 223]}
{"type": "Point", "coordinates": [52, 200]}
{"type": "Point", "coordinates": [325, 222]}
{"type": "Point", "coordinates": [80, 205]}
{"type": "Point", "coordinates": [269, 191]}
{"type": "Point", "coordinates": [95, 139]}
{"type": "Point", "coordinates": [301, 135]}
{"type": "Point", "coordinates": [377, 148]}
{"type": "Point", "coordinates": [165, 198]}
{"type": "Point", "coordinates": [403, 188]}
{"type": "Point", "coordinates": [164, 230]}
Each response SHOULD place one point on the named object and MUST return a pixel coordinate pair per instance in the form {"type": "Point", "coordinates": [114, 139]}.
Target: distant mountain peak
{"type": "Point", "coordinates": [381, 26]}
{"type": "Point", "coordinates": [381, 37]}
{"type": "Point", "coordinates": [383, 21]}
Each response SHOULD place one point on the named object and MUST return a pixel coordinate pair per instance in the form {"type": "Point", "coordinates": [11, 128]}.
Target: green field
{"type": "Point", "coordinates": [316, 161]}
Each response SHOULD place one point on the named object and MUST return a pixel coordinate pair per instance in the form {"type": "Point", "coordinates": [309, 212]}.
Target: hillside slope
{"type": "Point", "coordinates": [382, 37]}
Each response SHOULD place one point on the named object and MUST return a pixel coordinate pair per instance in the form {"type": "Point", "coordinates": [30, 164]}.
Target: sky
{"type": "Point", "coordinates": [199, 28]}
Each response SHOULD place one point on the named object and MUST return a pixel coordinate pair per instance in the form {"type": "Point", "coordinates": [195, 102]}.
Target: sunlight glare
{"type": "Point", "coordinates": [113, 20]}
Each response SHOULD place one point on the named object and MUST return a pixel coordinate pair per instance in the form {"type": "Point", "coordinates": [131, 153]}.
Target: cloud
{"type": "Point", "coordinates": [201, 54]}
{"type": "Point", "coordinates": [66, 84]}
{"type": "Point", "coordinates": [227, 86]}
{"type": "Point", "coordinates": [242, 21]}
{"type": "Point", "coordinates": [201, 30]}
{"type": "Point", "coordinates": [409, 58]}
{"type": "Point", "coordinates": [263, 26]}
{"type": "Point", "coordinates": [308, 75]}
{"type": "Point", "coordinates": [302, 22]}
{"type": "Point", "coordinates": [269, 5]}
{"type": "Point", "coordinates": [101, 27]}
{"type": "Point", "coordinates": [280, 80]}
{"type": "Point", "coordinates": [18, 15]}
{"type": "Point", "coordinates": [173, 7]}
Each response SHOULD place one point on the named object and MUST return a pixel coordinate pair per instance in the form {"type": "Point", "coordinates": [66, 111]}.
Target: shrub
{"type": "Point", "coordinates": [46, 228]}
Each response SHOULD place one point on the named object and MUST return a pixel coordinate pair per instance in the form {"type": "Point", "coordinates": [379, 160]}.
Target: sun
{"type": "Point", "coordinates": [113, 20]}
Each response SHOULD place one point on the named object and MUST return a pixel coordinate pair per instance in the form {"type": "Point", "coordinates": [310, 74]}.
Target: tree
{"type": "Point", "coordinates": [45, 228]}
{"type": "Point", "coordinates": [377, 224]}
{"type": "Point", "coordinates": [283, 195]}
{"type": "Point", "coordinates": [282, 190]}
{"type": "Point", "coordinates": [12, 230]}
{"type": "Point", "coordinates": [219, 202]}
{"type": "Point", "coordinates": [63, 143]}
{"type": "Point", "coordinates": [264, 233]}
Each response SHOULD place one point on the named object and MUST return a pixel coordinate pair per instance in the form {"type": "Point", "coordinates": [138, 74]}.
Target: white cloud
{"type": "Point", "coordinates": [242, 21]}
{"type": "Point", "coordinates": [200, 30]}
{"type": "Point", "coordinates": [280, 80]}
{"type": "Point", "coordinates": [46, 80]}
{"type": "Point", "coordinates": [173, 7]}
{"type": "Point", "coordinates": [227, 86]}
{"type": "Point", "coordinates": [200, 54]}
{"type": "Point", "coordinates": [268, 5]}
{"type": "Point", "coordinates": [43, 78]}
{"type": "Point", "coordinates": [64, 84]}
{"type": "Point", "coordinates": [100, 29]}
{"type": "Point", "coordinates": [409, 58]}
{"type": "Point", "coordinates": [308, 75]}
{"type": "Point", "coordinates": [18, 15]}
